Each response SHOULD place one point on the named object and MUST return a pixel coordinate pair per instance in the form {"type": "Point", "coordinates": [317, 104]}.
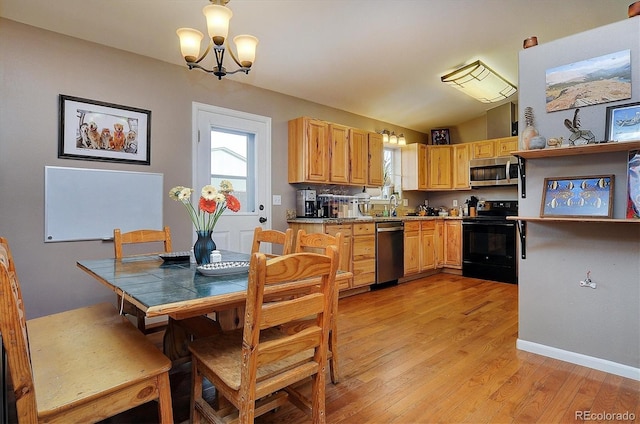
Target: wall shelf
{"type": "Point", "coordinates": [554, 152]}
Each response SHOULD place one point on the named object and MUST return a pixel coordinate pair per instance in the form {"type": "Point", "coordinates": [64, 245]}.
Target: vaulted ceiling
{"type": "Point", "coordinates": [378, 58]}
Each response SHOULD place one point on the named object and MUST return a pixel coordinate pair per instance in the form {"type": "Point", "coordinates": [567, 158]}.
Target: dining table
{"type": "Point", "coordinates": [175, 288]}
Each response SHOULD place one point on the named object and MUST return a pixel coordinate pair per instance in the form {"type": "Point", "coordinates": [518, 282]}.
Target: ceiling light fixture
{"type": "Point", "coordinates": [401, 140]}
{"type": "Point", "coordinates": [480, 82]}
{"type": "Point", "coordinates": [385, 136]}
{"type": "Point", "coordinates": [218, 17]}
{"type": "Point", "coordinates": [393, 138]}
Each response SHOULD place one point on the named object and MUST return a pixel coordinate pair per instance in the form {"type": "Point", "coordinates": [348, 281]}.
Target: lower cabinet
{"type": "Point", "coordinates": [432, 244]}
{"type": "Point", "coordinates": [453, 244]}
{"type": "Point", "coordinates": [364, 254]}
{"type": "Point", "coordinates": [345, 251]}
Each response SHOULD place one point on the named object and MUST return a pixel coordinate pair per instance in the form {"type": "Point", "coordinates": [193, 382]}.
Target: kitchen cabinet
{"type": "Point", "coordinates": [338, 154]}
{"type": "Point", "coordinates": [414, 167]}
{"type": "Point", "coordinates": [506, 146]}
{"type": "Point", "coordinates": [439, 243]}
{"type": "Point", "coordinates": [358, 156]}
{"type": "Point", "coordinates": [483, 149]}
{"type": "Point", "coordinates": [427, 245]}
{"type": "Point", "coordinates": [376, 160]}
{"type": "Point", "coordinates": [411, 247]}
{"type": "Point", "coordinates": [453, 244]}
{"type": "Point", "coordinates": [439, 168]}
{"type": "Point", "coordinates": [308, 151]}
{"type": "Point", "coordinates": [460, 166]}
{"type": "Point", "coordinates": [364, 254]}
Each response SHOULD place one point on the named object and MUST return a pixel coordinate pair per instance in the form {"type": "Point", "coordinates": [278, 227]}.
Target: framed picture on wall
{"type": "Point", "coordinates": [623, 122]}
{"type": "Point", "coordinates": [99, 131]}
{"type": "Point", "coordinates": [589, 196]}
{"type": "Point", "coordinates": [440, 136]}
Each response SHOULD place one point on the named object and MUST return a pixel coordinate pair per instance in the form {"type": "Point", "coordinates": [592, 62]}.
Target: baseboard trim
{"type": "Point", "coordinates": [580, 359]}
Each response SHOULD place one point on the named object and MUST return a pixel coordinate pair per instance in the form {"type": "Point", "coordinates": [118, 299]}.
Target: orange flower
{"type": "Point", "coordinates": [233, 203]}
{"type": "Point", "coordinates": [208, 206]}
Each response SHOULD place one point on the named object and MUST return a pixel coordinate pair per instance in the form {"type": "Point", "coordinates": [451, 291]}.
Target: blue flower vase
{"type": "Point", "coordinates": [203, 247]}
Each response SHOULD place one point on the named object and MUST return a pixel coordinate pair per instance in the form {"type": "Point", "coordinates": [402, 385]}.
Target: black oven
{"type": "Point", "coordinates": [489, 243]}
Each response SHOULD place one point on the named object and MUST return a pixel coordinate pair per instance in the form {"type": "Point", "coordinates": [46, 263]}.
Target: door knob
{"type": "Point", "coordinates": [262, 219]}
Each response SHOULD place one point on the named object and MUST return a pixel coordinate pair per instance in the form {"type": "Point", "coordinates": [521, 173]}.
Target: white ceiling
{"type": "Point", "coordinates": [378, 58]}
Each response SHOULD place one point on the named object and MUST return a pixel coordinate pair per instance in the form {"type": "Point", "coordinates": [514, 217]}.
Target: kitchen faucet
{"type": "Point", "coordinates": [393, 198]}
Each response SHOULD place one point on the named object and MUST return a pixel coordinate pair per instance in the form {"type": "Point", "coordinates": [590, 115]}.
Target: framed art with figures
{"type": "Point", "coordinates": [589, 196]}
{"type": "Point", "coordinates": [99, 131]}
{"type": "Point", "coordinates": [440, 136]}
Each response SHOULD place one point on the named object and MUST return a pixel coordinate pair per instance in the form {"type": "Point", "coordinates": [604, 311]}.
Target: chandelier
{"type": "Point", "coordinates": [218, 16]}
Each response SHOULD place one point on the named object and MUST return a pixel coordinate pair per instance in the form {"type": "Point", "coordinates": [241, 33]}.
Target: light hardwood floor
{"type": "Point", "coordinates": [442, 350]}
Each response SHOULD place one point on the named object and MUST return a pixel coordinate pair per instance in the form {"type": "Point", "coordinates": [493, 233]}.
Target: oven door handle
{"type": "Point", "coordinates": [508, 165]}
{"type": "Point", "coordinates": [500, 224]}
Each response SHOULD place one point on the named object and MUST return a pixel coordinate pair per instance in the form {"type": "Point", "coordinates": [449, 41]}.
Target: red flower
{"type": "Point", "coordinates": [233, 203]}
{"type": "Point", "coordinates": [207, 205]}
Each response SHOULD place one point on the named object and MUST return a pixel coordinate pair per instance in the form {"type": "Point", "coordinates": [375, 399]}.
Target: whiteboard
{"type": "Point", "coordinates": [87, 204]}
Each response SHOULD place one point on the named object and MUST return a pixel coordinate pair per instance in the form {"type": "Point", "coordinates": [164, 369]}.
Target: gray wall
{"type": "Point", "coordinates": [36, 67]}
{"type": "Point", "coordinates": [554, 311]}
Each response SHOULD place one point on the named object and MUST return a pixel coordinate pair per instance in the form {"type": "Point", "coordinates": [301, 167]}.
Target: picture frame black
{"type": "Point", "coordinates": [99, 131]}
{"type": "Point", "coordinates": [623, 122]}
{"type": "Point", "coordinates": [573, 197]}
{"type": "Point", "coordinates": [440, 136]}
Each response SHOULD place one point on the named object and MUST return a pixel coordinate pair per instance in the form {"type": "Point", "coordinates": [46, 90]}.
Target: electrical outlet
{"type": "Point", "coordinates": [405, 202]}
{"type": "Point", "coordinates": [277, 200]}
{"type": "Point", "coordinates": [455, 203]}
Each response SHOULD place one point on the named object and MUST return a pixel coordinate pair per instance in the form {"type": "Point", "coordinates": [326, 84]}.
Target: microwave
{"type": "Point", "coordinates": [493, 172]}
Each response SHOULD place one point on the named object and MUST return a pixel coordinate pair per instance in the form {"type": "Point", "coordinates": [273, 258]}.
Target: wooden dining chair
{"type": "Point", "coordinates": [275, 237]}
{"type": "Point", "coordinates": [313, 242]}
{"type": "Point", "coordinates": [232, 319]}
{"type": "Point", "coordinates": [158, 238]}
{"type": "Point", "coordinates": [82, 365]}
{"type": "Point", "coordinates": [255, 369]}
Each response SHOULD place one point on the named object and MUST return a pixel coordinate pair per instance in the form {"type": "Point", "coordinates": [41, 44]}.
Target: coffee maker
{"type": "Point", "coordinates": [306, 203]}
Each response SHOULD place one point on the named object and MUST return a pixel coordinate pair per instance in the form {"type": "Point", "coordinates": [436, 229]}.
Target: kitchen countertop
{"type": "Point", "coordinates": [363, 219]}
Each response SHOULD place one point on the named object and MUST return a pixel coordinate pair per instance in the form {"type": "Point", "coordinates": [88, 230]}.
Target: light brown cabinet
{"type": "Point", "coordinates": [461, 166]}
{"type": "Point", "coordinates": [506, 146]}
{"type": "Point", "coordinates": [453, 244]}
{"type": "Point", "coordinates": [411, 247]}
{"type": "Point", "coordinates": [375, 160]}
{"type": "Point", "coordinates": [363, 254]}
{"type": "Point", "coordinates": [308, 151]}
{"type": "Point", "coordinates": [439, 243]}
{"type": "Point", "coordinates": [328, 153]}
{"type": "Point", "coordinates": [414, 167]}
{"type": "Point", "coordinates": [440, 175]}
{"type": "Point", "coordinates": [427, 245]}
{"type": "Point", "coordinates": [483, 149]}
{"type": "Point", "coordinates": [338, 154]}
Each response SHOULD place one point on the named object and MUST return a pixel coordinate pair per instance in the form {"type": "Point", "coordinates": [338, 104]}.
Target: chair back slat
{"type": "Point", "coordinates": [15, 339]}
{"type": "Point", "coordinates": [278, 313]}
{"type": "Point", "coordinates": [141, 236]}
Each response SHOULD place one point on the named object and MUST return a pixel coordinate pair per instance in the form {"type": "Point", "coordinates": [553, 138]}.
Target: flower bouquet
{"type": "Point", "coordinates": [212, 203]}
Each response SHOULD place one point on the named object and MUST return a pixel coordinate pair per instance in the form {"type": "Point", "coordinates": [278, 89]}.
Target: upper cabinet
{"type": "Point", "coordinates": [460, 166]}
{"type": "Point", "coordinates": [506, 146]}
{"type": "Point", "coordinates": [414, 167]}
{"type": "Point", "coordinates": [327, 153]}
{"type": "Point", "coordinates": [483, 149]}
{"type": "Point", "coordinates": [308, 151]}
{"type": "Point", "coordinates": [375, 160]}
{"type": "Point", "coordinates": [440, 176]}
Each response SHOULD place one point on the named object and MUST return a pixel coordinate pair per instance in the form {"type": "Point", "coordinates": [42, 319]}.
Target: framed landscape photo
{"type": "Point", "coordinates": [99, 131]}
{"type": "Point", "coordinates": [590, 196]}
{"type": "Point", "coordinates": [440, 136]}
{"type": "Point", "coordinates": [623, 123]}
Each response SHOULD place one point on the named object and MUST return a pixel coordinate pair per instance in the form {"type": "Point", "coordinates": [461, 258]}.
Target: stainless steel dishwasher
{"type": "Point", "coordinates": [389, 251]}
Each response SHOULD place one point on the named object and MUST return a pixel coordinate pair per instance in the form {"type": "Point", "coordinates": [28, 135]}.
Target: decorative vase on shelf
{"type": "Point", "coordinates": [203, 247]}
{"type": "Point", "coordinates": [530, 130]}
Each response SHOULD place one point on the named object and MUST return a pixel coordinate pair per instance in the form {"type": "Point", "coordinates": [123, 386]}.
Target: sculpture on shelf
{"type": "Point", "coordinates": [578, 136]}
{"type": "Point", "coordinates": [530, 130]}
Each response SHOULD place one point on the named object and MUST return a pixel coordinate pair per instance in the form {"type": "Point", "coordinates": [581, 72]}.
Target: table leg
{"type": "Point", "coordinates": [180, 332]}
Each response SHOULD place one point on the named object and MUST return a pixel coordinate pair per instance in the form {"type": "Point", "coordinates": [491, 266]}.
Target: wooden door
{"type": "Point", "coordinates": [453, 243]}
{"type": "Point", "coordinates": [358, 156]}
{"type": "Point", "coordinates": [439, 166]}
{"type": "Point", "coordinates": [376, 160]}
{"type": "Point", "coordinates": [460, 165]}
{"type": "Point", "coordinates": [308, 151]}
{"type": "Point", "coordinates": [427, 245]}
{"type": "Point", "coordinates": [411, 247]}
{"type": "Point", "coordinates": [339, 154]}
